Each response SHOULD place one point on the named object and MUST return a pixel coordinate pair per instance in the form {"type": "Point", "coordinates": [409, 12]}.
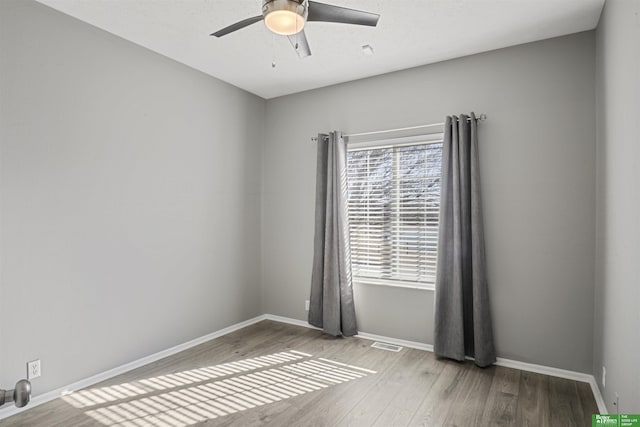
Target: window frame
{"type": "Point", "coordinates": [435, 137]}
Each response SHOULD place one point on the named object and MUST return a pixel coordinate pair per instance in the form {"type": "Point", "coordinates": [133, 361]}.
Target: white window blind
{"type": "Point", "coordinates": [394, 203]}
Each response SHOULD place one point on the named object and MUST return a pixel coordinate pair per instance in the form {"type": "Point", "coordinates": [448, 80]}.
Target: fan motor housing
{"type": "Point", "coordinates": [270, 5]}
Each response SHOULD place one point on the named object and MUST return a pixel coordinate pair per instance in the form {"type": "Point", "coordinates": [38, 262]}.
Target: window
{"type": "Point", "coordinates": [394, 203]}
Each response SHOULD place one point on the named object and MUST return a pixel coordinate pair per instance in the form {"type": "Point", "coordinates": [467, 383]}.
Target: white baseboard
{"type": "Point", "coordinates": [507, 363]}
{"type": "Point", "coordinates": [602, 406]}
{"type": "Point", "coordinates": [544, 370]}
{"type": "Point", "coordinates": [94, 379]}
{"type": "Point", "coordinates": [529, 367]}
{"type": "Point", "coordinates": [290, 321]}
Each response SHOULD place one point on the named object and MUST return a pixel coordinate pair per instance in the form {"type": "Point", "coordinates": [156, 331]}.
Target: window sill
{"type": "Point", "coordinates": [393, 284]}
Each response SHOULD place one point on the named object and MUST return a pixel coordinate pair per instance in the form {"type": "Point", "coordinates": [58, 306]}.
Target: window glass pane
{"type": "Point", "coordinates": [394, 197]}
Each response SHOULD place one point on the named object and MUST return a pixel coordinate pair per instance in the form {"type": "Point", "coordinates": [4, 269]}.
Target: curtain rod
{"type": "Point", "coordinates": [482, 117]}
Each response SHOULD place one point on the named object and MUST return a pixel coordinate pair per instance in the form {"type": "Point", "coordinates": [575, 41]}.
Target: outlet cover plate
{"type": "Point", "coordinates": [34, 369]}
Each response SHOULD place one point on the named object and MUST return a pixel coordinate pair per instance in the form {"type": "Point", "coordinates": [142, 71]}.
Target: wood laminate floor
{"type": "Point", "coordinates": [274, 374]}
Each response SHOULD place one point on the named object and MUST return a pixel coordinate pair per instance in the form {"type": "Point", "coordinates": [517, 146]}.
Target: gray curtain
{"type": "Point", "coordinates": [463, 319]}
{"type": "Point", "coordinates": [331, 304]}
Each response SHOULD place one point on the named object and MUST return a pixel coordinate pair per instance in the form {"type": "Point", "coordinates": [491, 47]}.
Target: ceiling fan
{"type": "Point", "coordinates": [288, 17]}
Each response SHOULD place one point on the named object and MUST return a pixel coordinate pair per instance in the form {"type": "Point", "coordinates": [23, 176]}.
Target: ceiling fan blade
{"type": "Point", "coordinates": [329, 13]}
{"type": "Point", "coordinates": [300, 44]}
{"type": "Point", "coordinates": [237, 26]}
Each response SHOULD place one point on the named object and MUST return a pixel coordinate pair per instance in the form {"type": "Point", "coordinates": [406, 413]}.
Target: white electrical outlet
{"type": "Point", "coordinates": [34, 370]}
{"type": "Point", "coordinates": [306, 305]}
{"type": "Point", "coordinates": [604, 377]}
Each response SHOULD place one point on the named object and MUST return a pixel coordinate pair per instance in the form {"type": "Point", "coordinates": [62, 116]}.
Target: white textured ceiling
{"type": "Point", "coordinates": [410, 33]}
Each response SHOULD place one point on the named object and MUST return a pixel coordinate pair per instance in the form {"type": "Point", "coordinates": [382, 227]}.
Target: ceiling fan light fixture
{"type": "Point", "coordinates": [284, 17]}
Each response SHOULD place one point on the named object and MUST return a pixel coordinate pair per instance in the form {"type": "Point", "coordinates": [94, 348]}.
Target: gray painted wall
{"type": "Point", "coordinates": [538, 181]}
{"type": "Point", "coordinates": [130, 190]}
{"type": "Point", "coordinates": [617, 321]}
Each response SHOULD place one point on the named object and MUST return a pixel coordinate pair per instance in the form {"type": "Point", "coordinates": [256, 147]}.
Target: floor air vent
{"type": "Point", "coordinates": [386, 346]}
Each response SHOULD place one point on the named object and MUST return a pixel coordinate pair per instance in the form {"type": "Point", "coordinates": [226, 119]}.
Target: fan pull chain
{"type": "Point", "coordinates": [297, 33]}
{"type": "Point", "coordinates": [273, 51]}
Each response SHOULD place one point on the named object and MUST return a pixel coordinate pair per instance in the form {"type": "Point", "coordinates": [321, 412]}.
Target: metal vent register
{"type": "Point", "coordinates": [386, 346]}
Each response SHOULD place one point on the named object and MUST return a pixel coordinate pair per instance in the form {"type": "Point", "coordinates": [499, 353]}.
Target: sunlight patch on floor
{"type": "Point", "coordinates": [99, 396]}
{"type": "Point", "coordinates": [190, 397]}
